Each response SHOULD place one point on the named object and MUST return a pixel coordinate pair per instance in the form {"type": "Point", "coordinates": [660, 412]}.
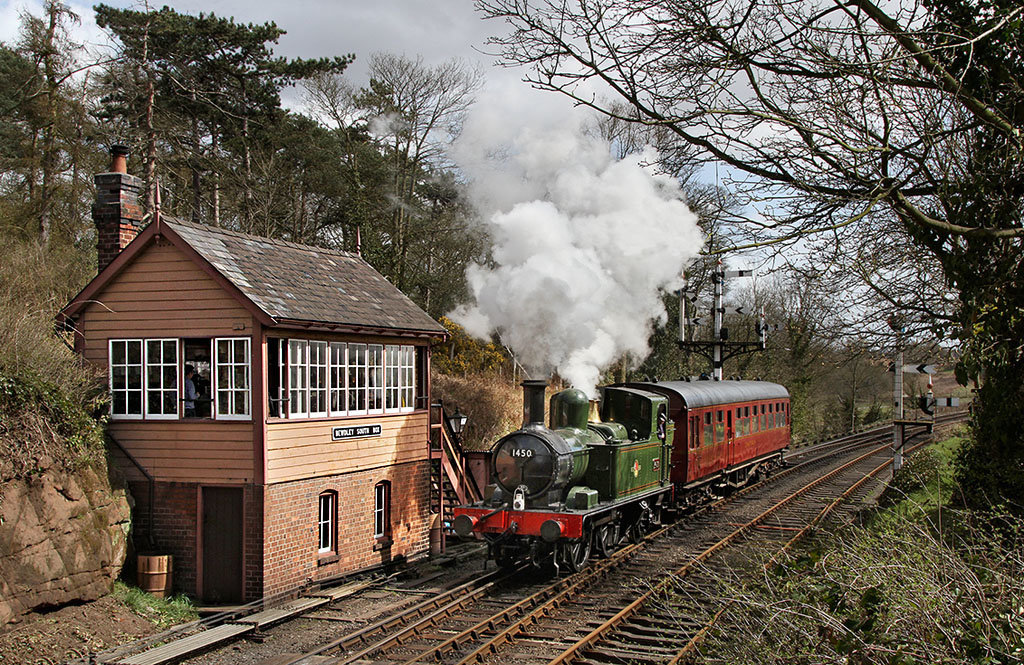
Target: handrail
{"type": "Point", "coordinates": [452, 459]}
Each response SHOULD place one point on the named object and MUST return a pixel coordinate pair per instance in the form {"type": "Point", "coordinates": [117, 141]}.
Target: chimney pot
{"type": "Point", "coordinates": [119, 158]}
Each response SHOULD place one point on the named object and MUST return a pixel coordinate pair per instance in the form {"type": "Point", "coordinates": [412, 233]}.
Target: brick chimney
{"type": "Point", "coordinates": [117, 212]}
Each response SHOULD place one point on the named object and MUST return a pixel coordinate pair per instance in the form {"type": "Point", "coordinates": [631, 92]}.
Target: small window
{"type": "Point", "coordinates": [357, 379]}
{"type": "Point", "coordinates": [327, 521]}
{"type": "Point", "coordinates": [375, 378]}
{"type": "Point", "coordinates": [407, 370]}
{"type": "Point", "coordinates": [392, 373]}
{"type": "Point", "coordinates": [339, 376]}
{"type": "Point", "coordinates": [125, 357]}
{"type": "Point", "coordinates": [298, 378]}
{"type": "Point", "coordinates": [233, 385]}
{"type": "Point", "coordinates": [382, 509]}
{"type": "Point", "coordinates": [162, 378]}
{"type": "Point", "coordinates": [317, 379]}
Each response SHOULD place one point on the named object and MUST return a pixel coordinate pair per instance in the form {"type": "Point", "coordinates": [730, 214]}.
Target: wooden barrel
{"type": "Point", "coordinates": [154, 574]}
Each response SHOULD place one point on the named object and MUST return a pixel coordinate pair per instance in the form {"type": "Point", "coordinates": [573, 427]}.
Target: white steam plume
{"type": "Point", "coordinates": [583, 245]}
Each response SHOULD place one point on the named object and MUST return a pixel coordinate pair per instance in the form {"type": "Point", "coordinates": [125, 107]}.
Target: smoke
{"type": "Point", "coordinates": [583, 245]}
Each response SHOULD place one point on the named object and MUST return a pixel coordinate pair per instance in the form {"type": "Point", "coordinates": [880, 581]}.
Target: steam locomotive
{"type": "Point", "coordinates": [607, 471]}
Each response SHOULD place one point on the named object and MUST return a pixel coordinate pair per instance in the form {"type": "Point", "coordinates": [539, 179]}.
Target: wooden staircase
{"type": "Point", "coordinates": [450, 483]}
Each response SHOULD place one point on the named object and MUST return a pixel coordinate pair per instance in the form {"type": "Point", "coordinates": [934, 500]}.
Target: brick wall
{"type": "Point", "coordinates": [177, 526]}
{"type": "Point", "coordinates": [291, 513]}
{"type": "Point", "coordinates": [174, 515]}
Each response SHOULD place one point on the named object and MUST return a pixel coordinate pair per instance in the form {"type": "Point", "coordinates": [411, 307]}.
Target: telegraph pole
{"type": "Point", "coordinates": [719, 348]}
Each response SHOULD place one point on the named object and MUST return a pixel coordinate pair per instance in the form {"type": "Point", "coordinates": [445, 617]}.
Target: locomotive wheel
{"type": "Point", "coordinates": [578, 553]}
{"type": "Point", "coordinates": [605, 539]}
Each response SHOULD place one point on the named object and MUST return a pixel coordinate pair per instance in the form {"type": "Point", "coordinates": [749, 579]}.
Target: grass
{"type": "Point", "coordinates": [161, 612]}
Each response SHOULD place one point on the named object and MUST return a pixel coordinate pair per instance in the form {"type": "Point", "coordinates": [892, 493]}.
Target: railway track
{"type": "Point", "coordinates": [565, 620]}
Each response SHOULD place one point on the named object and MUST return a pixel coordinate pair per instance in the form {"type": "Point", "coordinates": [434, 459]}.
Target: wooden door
{"type": "Point", "coordinates": [222, 545]}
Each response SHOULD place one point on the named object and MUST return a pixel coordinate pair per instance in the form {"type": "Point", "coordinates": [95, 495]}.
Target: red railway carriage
{"type": "Point", "coordinates": [726, 431]}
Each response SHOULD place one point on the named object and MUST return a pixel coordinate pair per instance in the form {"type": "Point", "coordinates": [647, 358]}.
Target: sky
{"type": "Point", "coordinates": [436, 30]}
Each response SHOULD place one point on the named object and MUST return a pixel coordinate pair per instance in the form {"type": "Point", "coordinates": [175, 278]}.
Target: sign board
{"type": "Point", "coordinates": [739, 273]}
{"type": "Point", "coordinates": [355, 432]}
{"type": "Point", "coordinates": [735, 310]}
{"type": "Point", "coordinates": [919, 369]}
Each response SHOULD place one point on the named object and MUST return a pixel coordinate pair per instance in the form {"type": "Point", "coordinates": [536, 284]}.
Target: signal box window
{"type": "Point", "coordinates": [233, 385]}
{"type": "Point", "coordinates": [327, 522]}
{"type": "Point", "coordinates": [382, 510]}
{"type": "Point", "coordinates": [125, 378]}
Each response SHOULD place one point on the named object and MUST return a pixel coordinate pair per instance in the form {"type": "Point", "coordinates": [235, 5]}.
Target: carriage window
{"type": "Point", "coordinates": [707, 428]}
{"type": "Point", "coordinates": [720, 427]}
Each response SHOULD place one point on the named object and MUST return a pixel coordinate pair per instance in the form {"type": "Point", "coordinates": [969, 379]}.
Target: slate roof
{"type": "Point", "coordinates": [294, 282]}
{"type": "Point", "coordinates": [697, 394]}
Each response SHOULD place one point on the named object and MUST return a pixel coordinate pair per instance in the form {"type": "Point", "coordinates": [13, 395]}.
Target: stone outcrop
{"type": "Point", "coordinates": [63, 539]}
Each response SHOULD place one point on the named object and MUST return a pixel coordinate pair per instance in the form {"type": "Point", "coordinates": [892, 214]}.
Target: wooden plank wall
{"type": "Point", "coordinates": [303, 448]}
{"type": "Point", "coordinates": [162, 293]}
{"type": "Point", "coordinates": [195, 452]}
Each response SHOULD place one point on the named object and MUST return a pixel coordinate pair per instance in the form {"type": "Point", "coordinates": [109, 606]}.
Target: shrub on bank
{"type": "Point", "coordinates": [50, 401]}
{"type": "Point", "coordinates": [921, 583]}
{"type": "Point", "coordinates": [493, 405]}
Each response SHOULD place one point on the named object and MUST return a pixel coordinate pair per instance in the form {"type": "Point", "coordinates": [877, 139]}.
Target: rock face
{"type": "Point", "coordinates": [63, 538]}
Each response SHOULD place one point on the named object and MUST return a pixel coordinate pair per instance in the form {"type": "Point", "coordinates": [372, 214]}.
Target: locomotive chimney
{"type": "Point", "coordinates": [533, 401]}
{"type": "Point", "coordinates": [116, 212]}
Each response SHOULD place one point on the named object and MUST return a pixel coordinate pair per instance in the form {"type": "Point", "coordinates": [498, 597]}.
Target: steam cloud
{"type": "Point", "coordinates": [583, 244]}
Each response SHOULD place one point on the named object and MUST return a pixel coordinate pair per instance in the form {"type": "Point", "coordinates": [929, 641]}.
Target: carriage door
{"type": "Point", "coordinates": [730, 439]}
{"type": "Point", "coordinates": [693, 442]}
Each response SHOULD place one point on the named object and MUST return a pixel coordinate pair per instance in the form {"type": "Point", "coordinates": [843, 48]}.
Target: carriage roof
{"type": "Point", "coordinates": [696, 394]}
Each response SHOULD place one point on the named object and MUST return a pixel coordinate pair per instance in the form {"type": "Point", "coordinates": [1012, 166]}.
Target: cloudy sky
{"type": "Point", "coordinates": [434, 29]}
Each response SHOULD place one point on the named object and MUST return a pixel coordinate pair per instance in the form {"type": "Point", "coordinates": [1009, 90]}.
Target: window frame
{"type": "Point", "coordinates": [313, 375]}
{"type": "Point", "coordinates": [178, 378]}
{"type": "Point", "coordinates": [142, 377]}
{"type": "Point", "coordinates": [331, 522]}
{"type": "Point", "coordinates": [336, 371]}
{"type": "Point", "coordinates": [216, 364]}
{"type": "Point", "coordinates": [382, 510]}
{"type": "Point", "coordinates": [300, 366]}
{"type": "Point", "coordinates": [376, 379]}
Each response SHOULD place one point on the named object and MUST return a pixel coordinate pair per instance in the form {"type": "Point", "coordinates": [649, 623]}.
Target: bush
{"type": "Point", "coordinates": [493, 405]}
{"type": "Point", "coordinates": [50, 401]}
{"type": "Point", "coordinates": [902, 594]}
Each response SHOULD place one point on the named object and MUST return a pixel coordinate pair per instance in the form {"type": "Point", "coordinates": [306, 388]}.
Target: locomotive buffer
{"type": "Point", "coordinates": [719, 349]}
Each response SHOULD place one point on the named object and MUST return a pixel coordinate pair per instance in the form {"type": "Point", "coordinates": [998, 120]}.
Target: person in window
{"type": "Point", "coordinates": [190, 391]}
